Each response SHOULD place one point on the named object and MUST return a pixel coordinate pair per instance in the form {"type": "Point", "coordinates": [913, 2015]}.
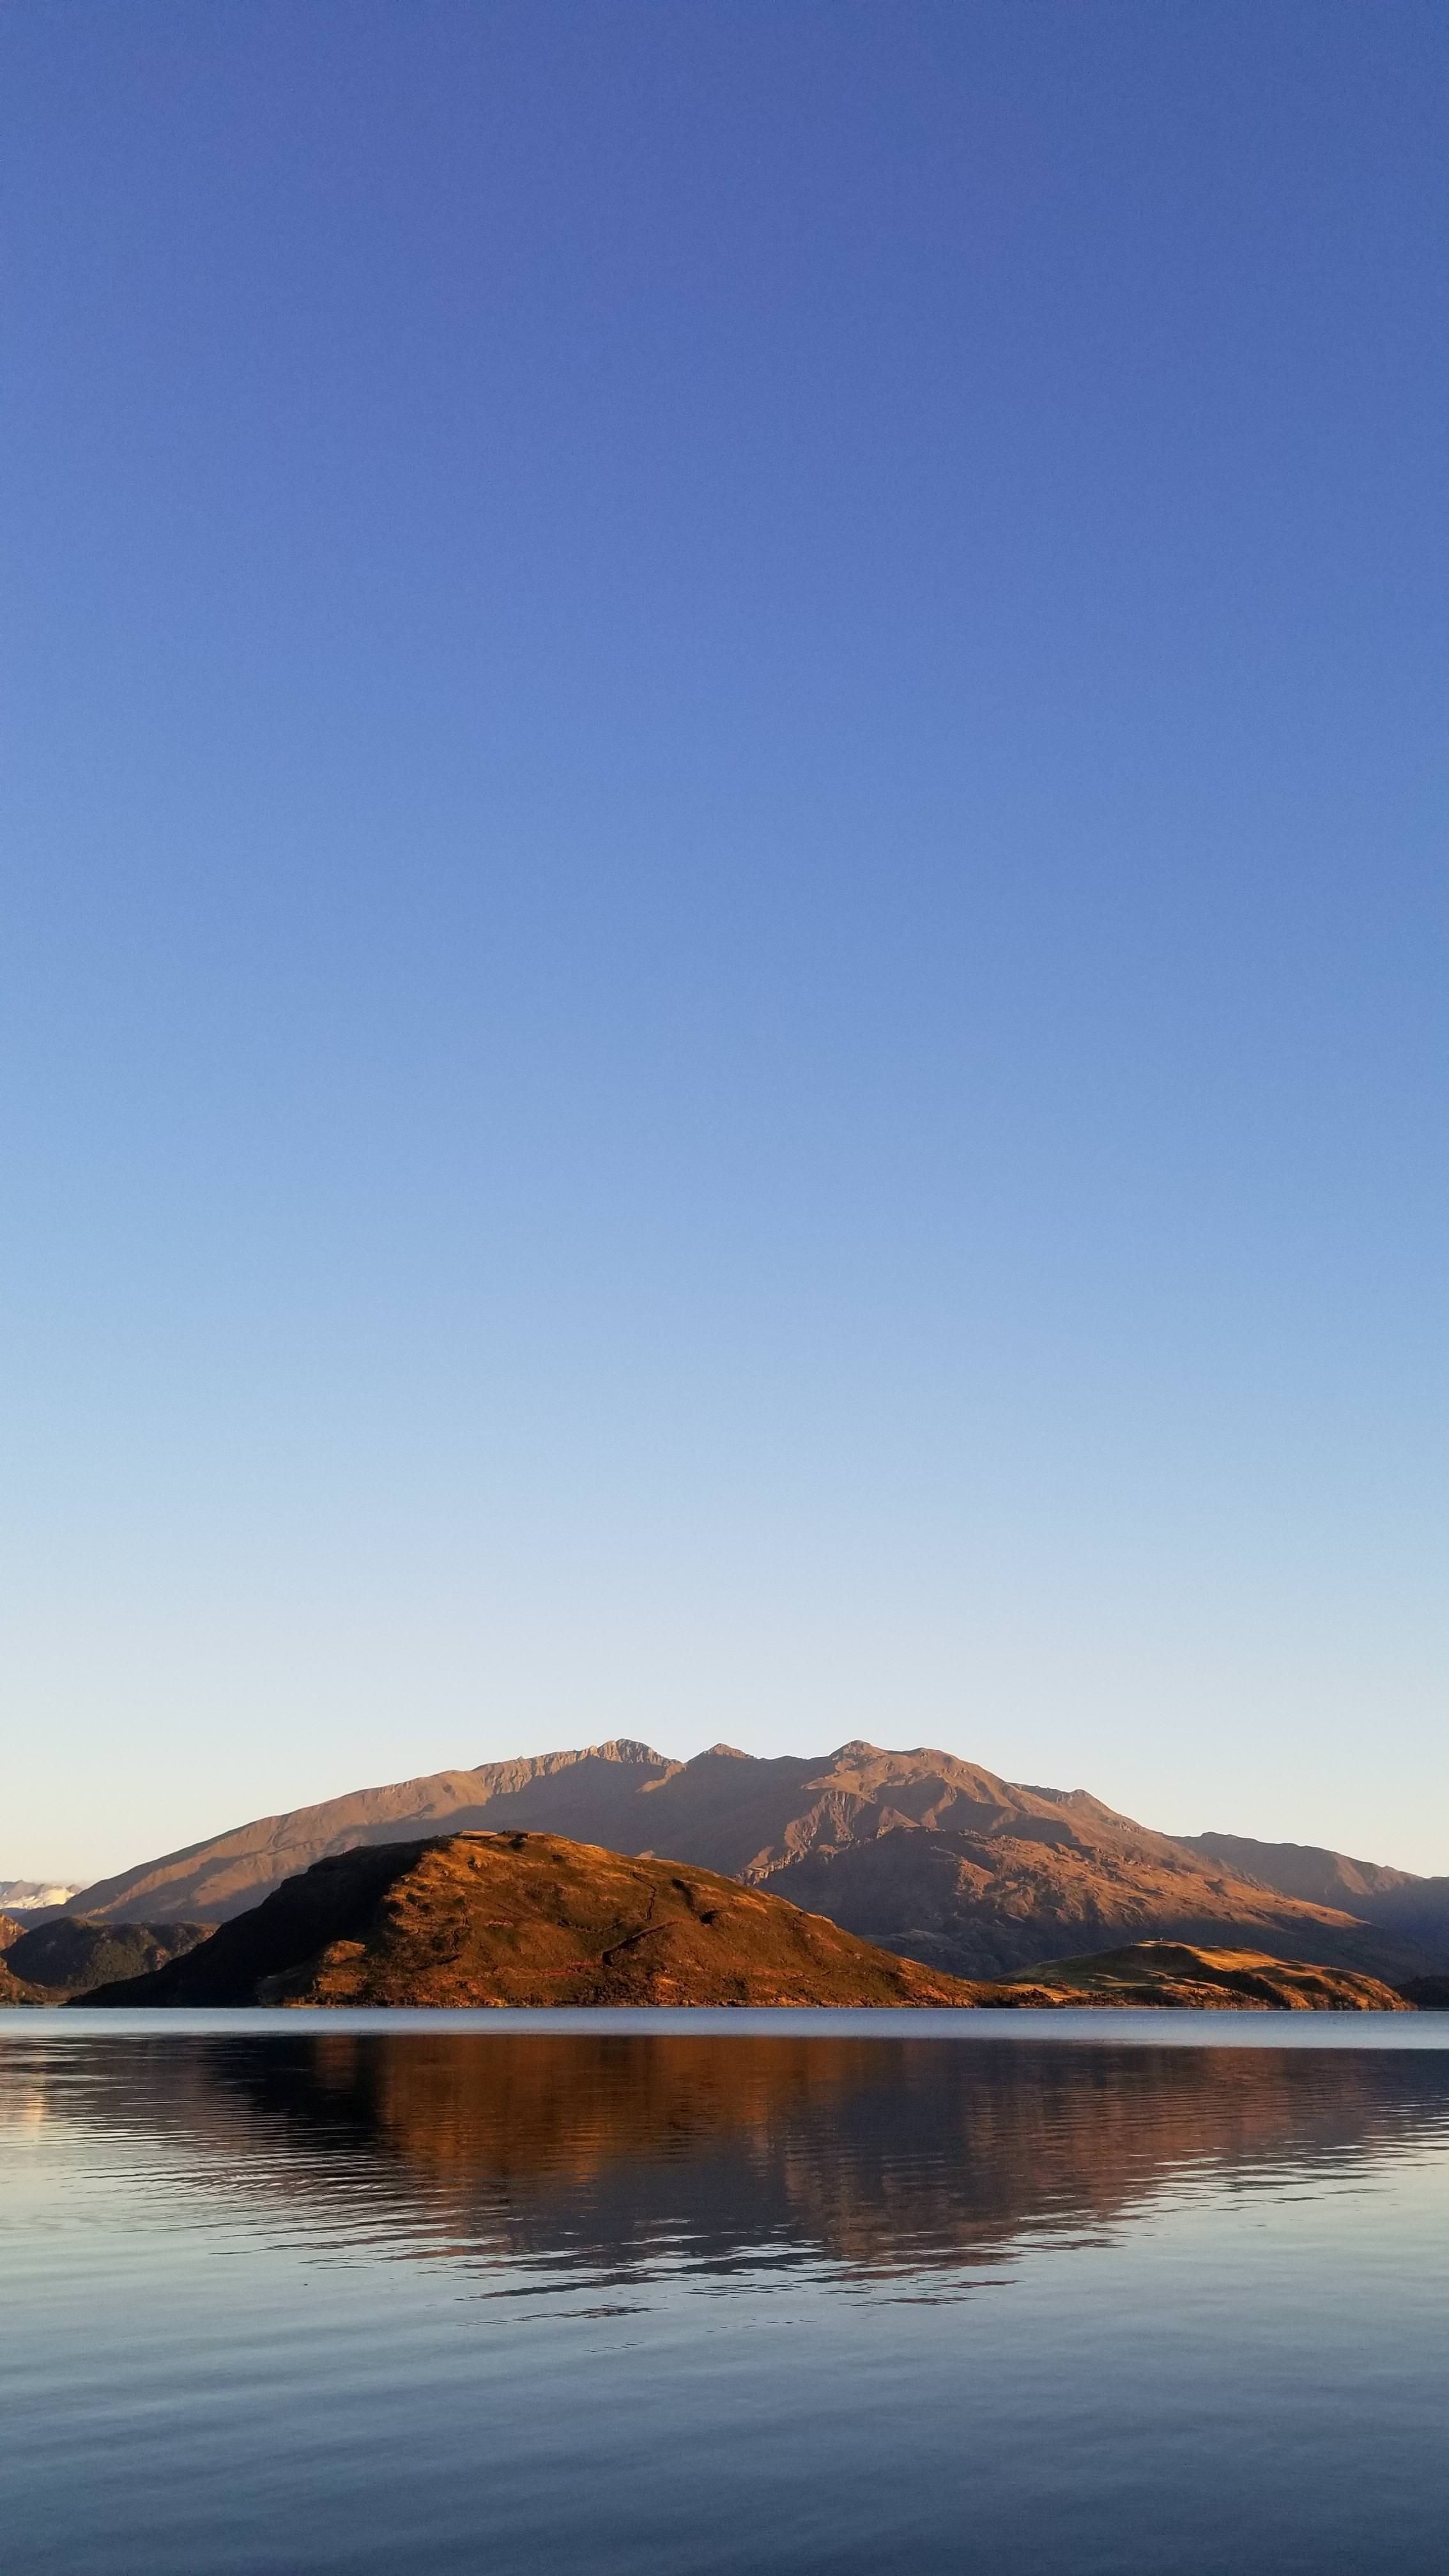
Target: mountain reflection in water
{"type": "Point", "coordinates": [869, 2158]}
{"type": "Point", "coordinates": [798, 2305]}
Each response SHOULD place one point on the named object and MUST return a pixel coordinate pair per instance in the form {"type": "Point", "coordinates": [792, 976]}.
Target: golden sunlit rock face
{"type": "Point", "coordinates": [527, 1920]}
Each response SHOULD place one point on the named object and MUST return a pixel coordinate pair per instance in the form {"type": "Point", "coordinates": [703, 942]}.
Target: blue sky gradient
{"type": "Point", "coordinates": [722, 1008]}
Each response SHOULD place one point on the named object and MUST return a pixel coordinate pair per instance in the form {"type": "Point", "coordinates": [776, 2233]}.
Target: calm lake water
{"type": "Point", "coordinates": [678, 2292]}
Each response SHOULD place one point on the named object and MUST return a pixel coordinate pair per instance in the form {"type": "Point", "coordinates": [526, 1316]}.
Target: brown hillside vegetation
{"type": "Point", "coordinates": [527, 1920]}
{"type": "Point", "coordinates": [1177, 1973]}
{"type": "Point", "coordinates": [918, 1852]}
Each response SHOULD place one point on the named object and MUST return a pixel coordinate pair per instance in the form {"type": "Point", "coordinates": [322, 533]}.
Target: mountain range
{"type": "Point", "coordinates": [529, 1920]}
{"type": "Point", "coordinates": [35, 1895]}
{"type": "Point", "coordinates": [918, 1852]}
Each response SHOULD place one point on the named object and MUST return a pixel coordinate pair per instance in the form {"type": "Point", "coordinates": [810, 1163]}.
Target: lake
{"type": "Point", "coordinates": [1080, 2293]}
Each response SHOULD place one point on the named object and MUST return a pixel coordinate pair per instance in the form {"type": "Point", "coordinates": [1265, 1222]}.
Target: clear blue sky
{"type": "Point", "coordinates": [723, 1000]}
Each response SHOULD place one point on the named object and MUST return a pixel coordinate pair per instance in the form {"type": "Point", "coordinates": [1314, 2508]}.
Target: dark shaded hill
{"type": "Point", "coordinates": [66, 1955]}
{"type": "Point", "coordinates": [918, 1852]}
{"type": "Point", "coordinates": [1177, 1974]}
{"type": "Point", "coordinates": [1426, 1994]}
{"type": "Point", "coordinates": [526, 1919]}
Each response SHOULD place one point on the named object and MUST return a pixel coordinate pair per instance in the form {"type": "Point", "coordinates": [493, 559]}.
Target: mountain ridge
{"type": "Point", "coordinates": [917, 1851]}
{"type": "Point", "coordinates": [526, 1921]}
{"type": "Point", "coordinates": [1401, 1903]}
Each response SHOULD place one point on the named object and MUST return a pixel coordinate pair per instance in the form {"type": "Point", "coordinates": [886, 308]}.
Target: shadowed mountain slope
{"type": "Point", "coordinates": [1426, 1994]}
{"type": "Point", "coordinates": [918, 1851]}
{"type": "Point", "coordinates": [1302, 1869]}
{"type": "Point", "coordinates": [1412, 1908]}
{"type": "Point", "coordinates": [66, 1955]}
{"type": "Point", "coordinates": [989, 1905]}
{"type": "Point", "coordinates": [527, 1919]}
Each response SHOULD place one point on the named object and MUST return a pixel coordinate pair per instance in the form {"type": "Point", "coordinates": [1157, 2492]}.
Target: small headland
{"type": "Point", "coordinates": [1181, 1975]}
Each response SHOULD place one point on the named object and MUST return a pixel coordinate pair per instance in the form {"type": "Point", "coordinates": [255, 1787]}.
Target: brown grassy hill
{"type": "Point", "coordinates": [1179, 1974]}
{"type": "Point", "coordinates": [527, 1919]}
{"type": "Point", "coordinates": [918, 1851]}
{"type": "Point", "coordinates": [11, 1929]}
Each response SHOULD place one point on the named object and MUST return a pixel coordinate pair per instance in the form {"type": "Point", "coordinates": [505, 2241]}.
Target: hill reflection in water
{"type": "Point", "coordinates": [356, 2301]}
{"type": "Point", "coordinates": [866, 2159]}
